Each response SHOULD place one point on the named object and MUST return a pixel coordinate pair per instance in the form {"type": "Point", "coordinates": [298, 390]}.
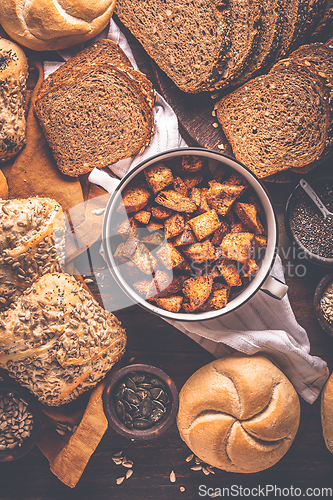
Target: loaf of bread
{"type": "Point", "coordinates": [327, 413]}
{"type": "Point", "coordinates": [3, 186]}
{"type": "Point", "coordinates": [98, 115]}
{"type": "Point", "coordinates": [279, 120]}
{"type": "Point", "coordinates": [13, 77]}
{"type": "Point", "coordinates": [239, 413]}
{"type": "Point", "coordinates": [52, 24]}
{"type": "Point", "coordinates": [31, 244]}
{"type": "Point", "coordinates": [57, 341]}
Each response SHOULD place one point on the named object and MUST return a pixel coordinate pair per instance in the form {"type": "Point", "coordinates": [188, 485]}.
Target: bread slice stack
{"type": "Point", "coordinates": [95, 110]}
{"type": "Point", "coordinates": [207, 45]}
{"type": "Point", "coordinates": [283, 120]}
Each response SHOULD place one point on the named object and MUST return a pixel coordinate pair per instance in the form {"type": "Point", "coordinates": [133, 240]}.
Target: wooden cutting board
{"type": "Point", "coordinates": [195, 113]}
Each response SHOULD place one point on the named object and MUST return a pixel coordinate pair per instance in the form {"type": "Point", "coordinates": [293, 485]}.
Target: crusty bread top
{"type": "Point", "coordinates": [239, 413]}
{"type": "Point", "coordinates": [13, 62]}
{"type": "Point", "coordinates": [53, 25]}
{"type": "Point", "coordinates": [99, 115]}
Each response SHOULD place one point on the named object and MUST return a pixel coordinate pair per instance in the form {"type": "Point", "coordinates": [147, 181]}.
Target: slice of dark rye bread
{"type": "Point", "coordinates": [293, 16]}
{"type": "Point", "coordinates": [200, 44]}
{"type": "Point", "coordinates": [268, 41]}
{"type": "Point", "coordinates": [102, 51]}
{"type": "Point", "coordinates": [279, 120]}
{"type": "Point", "coordinates": [98, 116]}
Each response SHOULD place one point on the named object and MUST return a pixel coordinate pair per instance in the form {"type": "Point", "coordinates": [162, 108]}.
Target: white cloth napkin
{"type": "Point", "coordinates": [263, 324]}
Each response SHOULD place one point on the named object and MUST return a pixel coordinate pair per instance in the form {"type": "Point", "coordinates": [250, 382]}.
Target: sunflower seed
{"type": "Point", "coordinates": [129, 473]}
{"type": "Point", "coordinates": [190, 457]}
{"type": "Point", "coordinates": [119, 480]}
{"type": "Point", "coordinates": [172, 477]}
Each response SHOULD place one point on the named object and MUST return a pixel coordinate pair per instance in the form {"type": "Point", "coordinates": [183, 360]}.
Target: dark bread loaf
{"type": "Point", "coordinates": [103, 51]}
{"type": "Point", "coordinates": [201, 45]}
{"type": "Point", "coordinates": [268, 40]}
{"type": "Point", "coordinates": [279, 120]}
{"type": "Point", "coordinates": [99, 115]}
{"type": "Point", "coordinates": [293, 14]}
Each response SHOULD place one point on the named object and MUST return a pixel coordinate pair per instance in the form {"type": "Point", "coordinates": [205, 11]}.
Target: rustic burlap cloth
{"type": "Point", "coordinates": [34, 172]}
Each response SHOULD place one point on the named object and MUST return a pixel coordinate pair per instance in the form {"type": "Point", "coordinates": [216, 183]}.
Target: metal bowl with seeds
{"type": "Point", "coordinates": [140, 401]}
{"type": "Point", "coordinates": [19, 421]}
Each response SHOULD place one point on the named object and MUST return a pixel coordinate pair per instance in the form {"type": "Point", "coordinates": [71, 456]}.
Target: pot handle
{"type": "Point", "coordinates": [274, 287]}
{"type": "Point", "coordinates": [103, 180]}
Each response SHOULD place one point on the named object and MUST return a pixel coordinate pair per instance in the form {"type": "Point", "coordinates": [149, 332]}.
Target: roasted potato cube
{"type": "Point", "coordinates": [155, 239]}
{"type": "Point", "coordinates": [158, 176]}
{"type": "Point", "coordinates": [154, 225]}
{"type": "Point", "coordinates": [175, 201]}
{"type": "Point", "coordinates": [142, 286]}
{"type": "Point", "coordinates": [205, 224]}
{"type": "Point", "coordinates": [126, 227]}
{"type": "Point", "coordinates": [179, 186]}
{"type": "Point", "coordinates": [218, 298]}
{"type": "Point", "coordinates": [143, 259]}
{"type": "Point", "coordinates": [229, 272]}
{"type": "Point", "coordinates": [200, 252]}
{"type": "Point", "coordinates": [185, 238]}
{"type": "Point", "coordinates": [220, 233]}
{"type": "Point", "coordinates": [192, 179]}
{"type": "Point", "coordinates": [172, 303]}
{"type": "Point", "coordinates": [238, 246]}
{"type": "Point", "coordinates": [196, 196]}
{"type": "Point", "coordinates": [170, 256]}
{"type": "Point", "coordinates": [219, 172]}
{"type": "Point", "coordinates": [222, 196]}
{"type": "Point", "coordinates": [249, 269]}
{"type": "Point", "coordinates": [197, 290]}
{"type": "Point", "coordinates": [142, 216]}
{"type": "Point", "coordinates": [249, 217]}
{"type": "Point", "coordinates": [192, 163]}
{"type": "Point", "coordinates": [161, 212]}
{"type": "Point", "coordinates": [174, 225]}
{"type": "Point", "coordinates": [134, 199]}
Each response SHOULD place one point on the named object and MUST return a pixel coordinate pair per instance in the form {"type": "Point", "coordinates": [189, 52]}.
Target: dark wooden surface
{"type": "Point", "coordinates": [308, 464]}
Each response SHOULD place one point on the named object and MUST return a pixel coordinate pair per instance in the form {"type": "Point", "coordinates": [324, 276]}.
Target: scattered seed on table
{"type": "Point", "coordinates": [182, 489]}
{"type": "Point", "coordinates": [190, 457]}
{"type": "Point", "coordinates": [172, 477]}
{"type": "Point", "coordinates": [196, 467]}
{"type": "Point", "coordinates": [129, 473]}
{"type": "Point", "coordinates": [127, 464]}
{"type": "Point", "coordinates": [119, 480]}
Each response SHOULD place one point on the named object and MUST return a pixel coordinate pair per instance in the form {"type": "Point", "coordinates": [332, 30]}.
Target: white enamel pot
{"type": "Point", "coordinates": [262, 281]}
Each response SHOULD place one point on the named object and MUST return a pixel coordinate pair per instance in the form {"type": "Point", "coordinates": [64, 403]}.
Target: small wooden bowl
{"type": "Point", "coordinates": [27, 445]}
{"type": "Point", "coordinates": [110, 410]}
{"type": "Point", "coordinates": [322, 285]}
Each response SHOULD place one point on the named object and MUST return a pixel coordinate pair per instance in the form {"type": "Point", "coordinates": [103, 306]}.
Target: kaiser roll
{"type": "Point", "coordinates": [327, 413]}
{"type": "Point", "coordinates": [239, 413]}
{"type": "Point", "coordinates": [54, 24]}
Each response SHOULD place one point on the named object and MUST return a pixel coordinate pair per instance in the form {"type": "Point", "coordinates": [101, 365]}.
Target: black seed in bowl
{"type": "Point", "coordinates": [140, 400]}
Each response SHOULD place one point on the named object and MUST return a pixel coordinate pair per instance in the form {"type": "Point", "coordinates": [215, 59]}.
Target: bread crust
{"type": "Point", "coordinates": [50, 25]}
{"type": "Point", "coordinates": [327, 413]}
{"type": "Point", "coordinates": [239, 413]}
{"type": "Point", "coordinates": [13, 77]}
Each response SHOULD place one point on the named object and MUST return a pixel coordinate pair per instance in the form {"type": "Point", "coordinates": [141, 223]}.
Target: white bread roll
{"type": "Point", "coordinates": [13, 78]}
{"type": "Point", "coordinates": [327, 413]}
{"type": "Point", "coordinates": [239, 413]}
{"type": "Point", "coordinates": [54, 24]}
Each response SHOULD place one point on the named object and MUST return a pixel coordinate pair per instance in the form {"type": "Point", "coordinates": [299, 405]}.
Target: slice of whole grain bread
{"type": "Point", "coordinates": [99, 115]}
{"type": "Point", "coordinates": [293, 17]}
{"type": "Point", "coordinates": [279, 120]}
{"type": "Point", "coordinates": [201, 44]}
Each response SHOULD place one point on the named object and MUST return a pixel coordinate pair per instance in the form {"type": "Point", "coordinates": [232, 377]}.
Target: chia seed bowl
{"type": "Point", "coordinates": [19, 421]}
{"type": "Point", "coordinates": [140, 401]}
{"type": "Point", "coordinates": [306, 226]}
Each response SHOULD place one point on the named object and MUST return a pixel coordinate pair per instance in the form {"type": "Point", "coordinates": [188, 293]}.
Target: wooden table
{"type": "Point", "coordinates": [308, 464]}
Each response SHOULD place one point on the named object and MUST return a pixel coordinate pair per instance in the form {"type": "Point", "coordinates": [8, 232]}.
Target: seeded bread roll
{"type": "Point", "coordinates": [13, 77]}
{"type": "Point", "coordinates": [31, 244]}
{"type": "Point", "coordinates": [54, 24]}
{"type": "Point", "coordinates": [239, 413]}
{"type": "Point", "coordinates": [327, 413]}
{"type": "Point", "coordinates": [57, 341]}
